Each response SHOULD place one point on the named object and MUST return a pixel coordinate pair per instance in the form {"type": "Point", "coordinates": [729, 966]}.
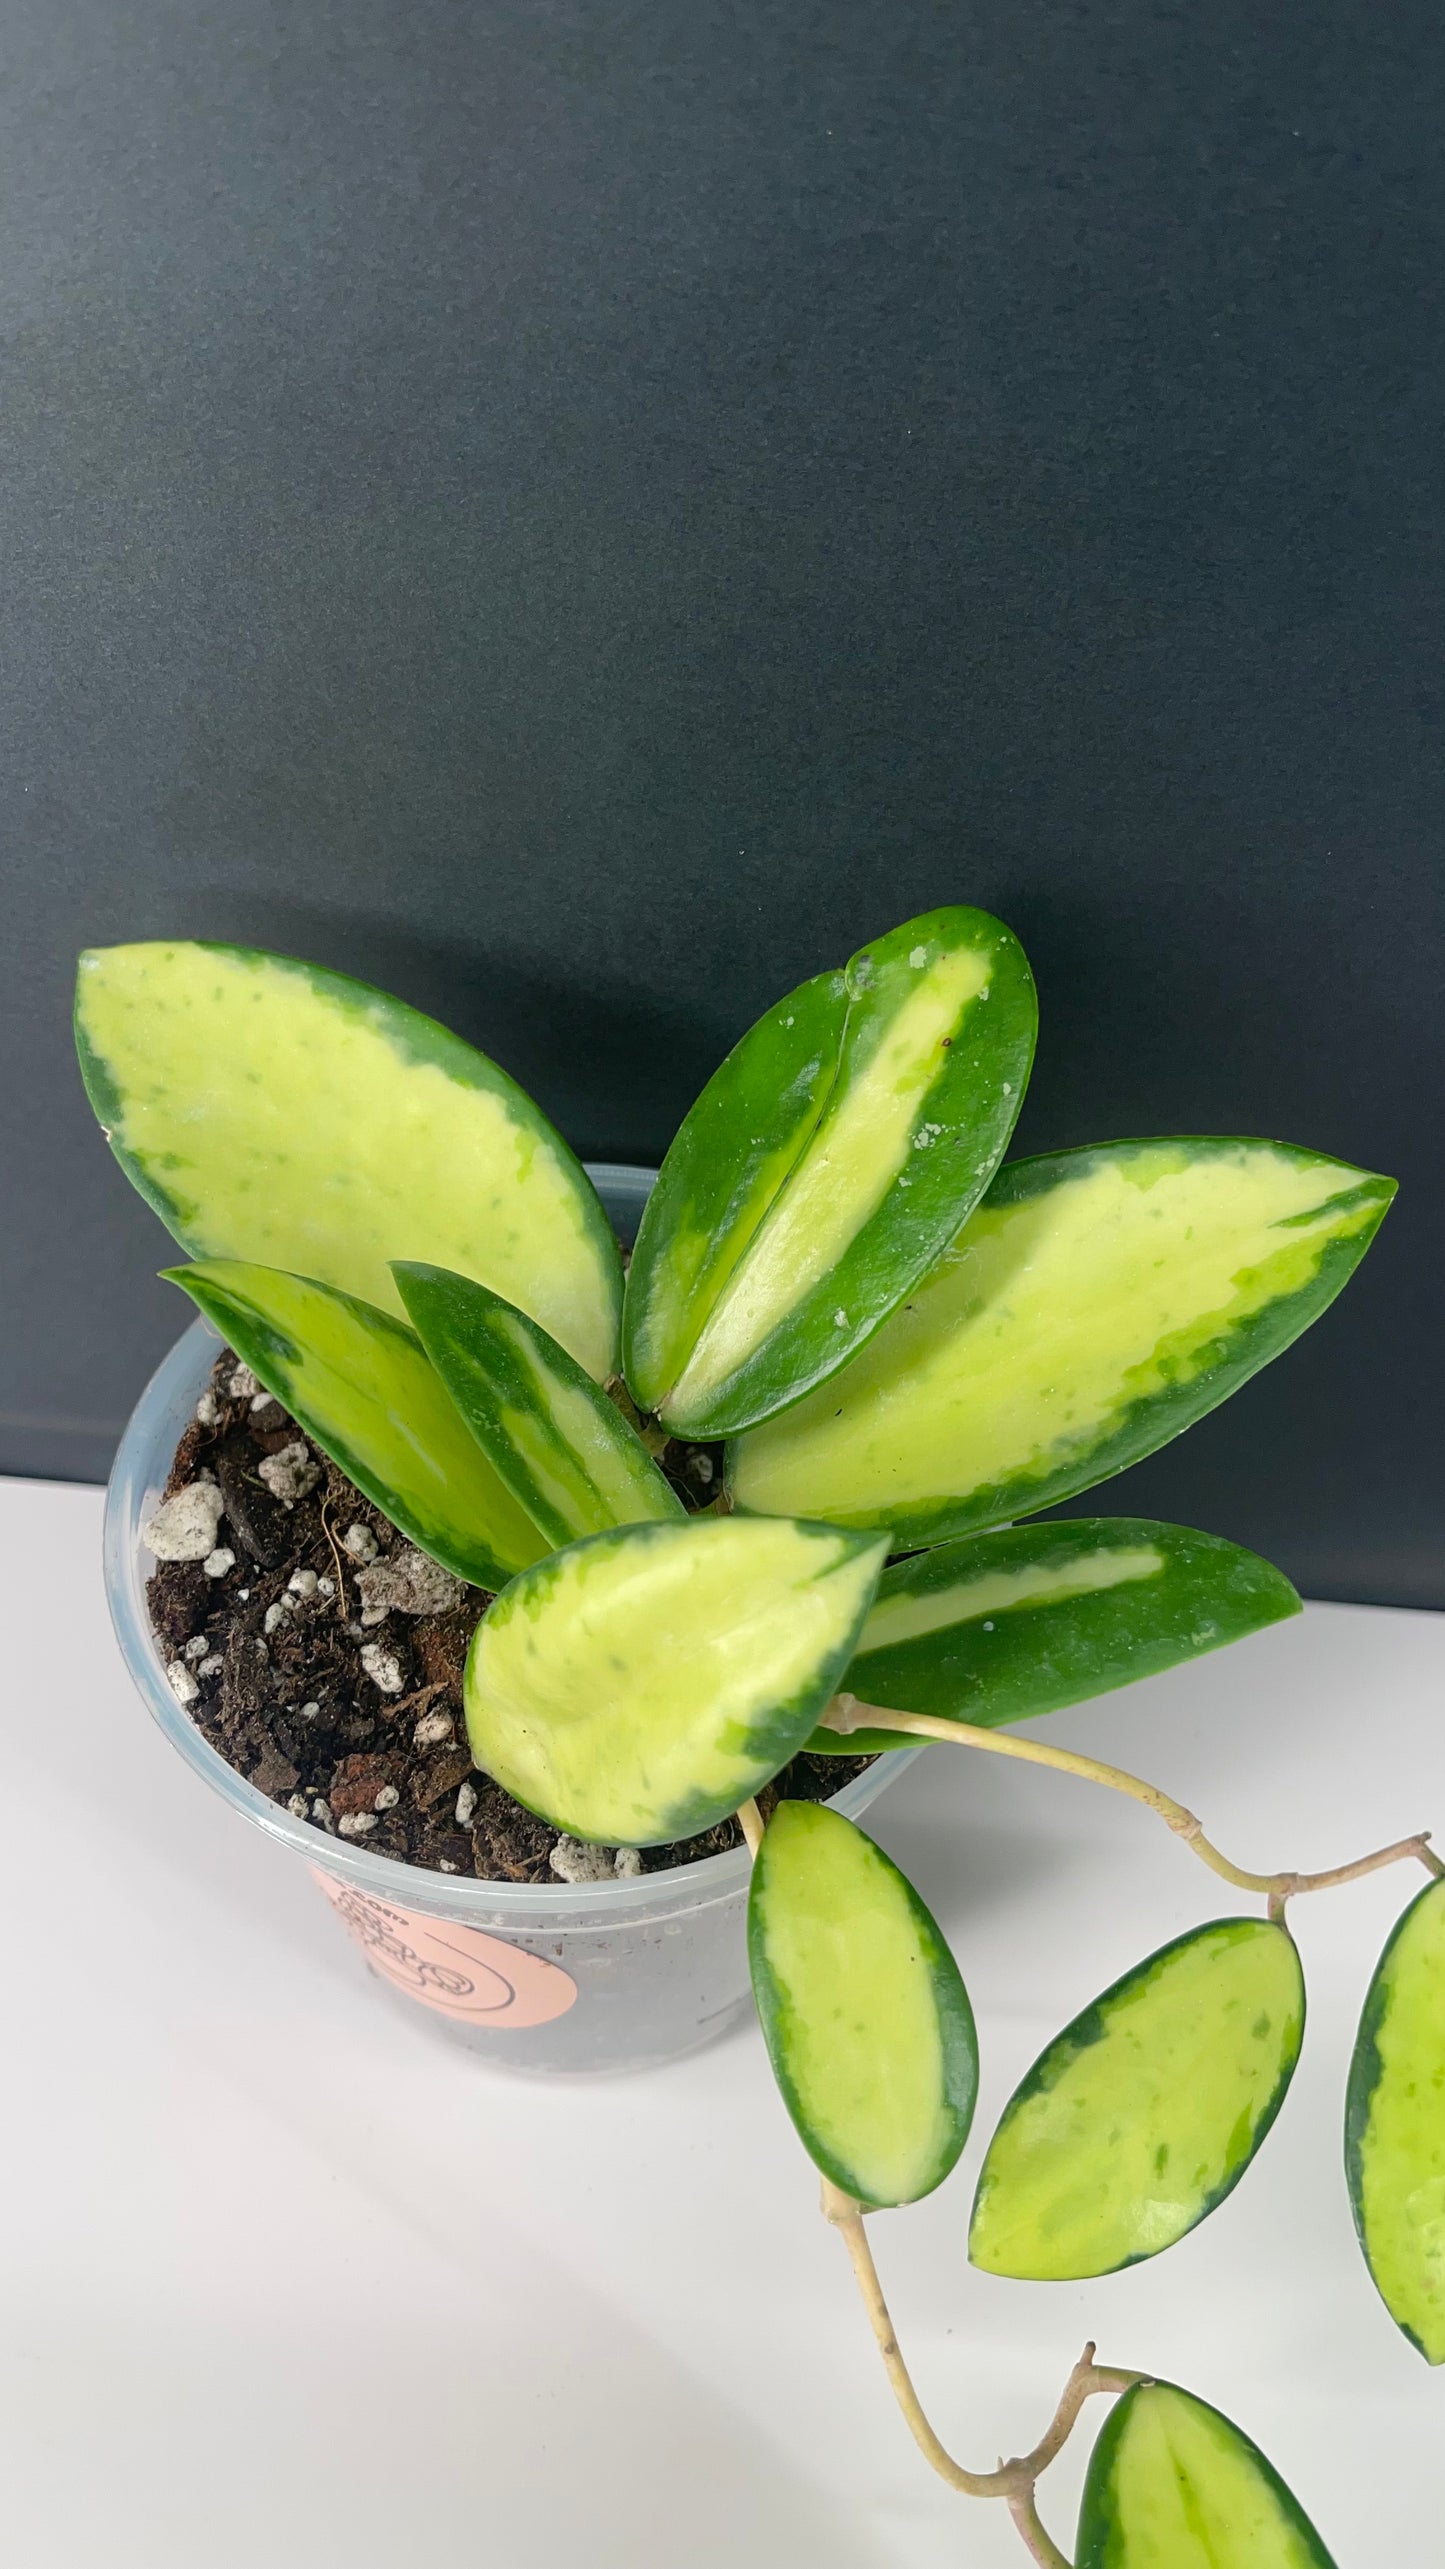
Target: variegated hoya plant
{"type": "Point", "coordinates": [909, 1348]}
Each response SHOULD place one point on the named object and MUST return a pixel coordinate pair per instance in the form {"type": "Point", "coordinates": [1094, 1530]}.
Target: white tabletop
{"type": "Point", "coordinates": [290, 2284]}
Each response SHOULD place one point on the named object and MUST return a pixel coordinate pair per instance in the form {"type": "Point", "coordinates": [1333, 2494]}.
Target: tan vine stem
{"type": "Point", "coordinates": [336, 1558]}
{"type": "Point", "coordinates": [750, 1821]}
{"type": "Point", "coordinates": [846, 1714]}
{"type": "Point", "coordinates": [1013, 2481]}
{"type": "Point", "coordinates": [1038, 2541]}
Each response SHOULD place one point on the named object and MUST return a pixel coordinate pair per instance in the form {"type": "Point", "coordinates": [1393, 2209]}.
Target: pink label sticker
{"type": "Point", "coordinates": [457, 1970]}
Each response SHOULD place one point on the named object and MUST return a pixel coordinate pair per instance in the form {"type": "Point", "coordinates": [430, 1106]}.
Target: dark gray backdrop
{"type": "Point", "coordinates": [581, 513]}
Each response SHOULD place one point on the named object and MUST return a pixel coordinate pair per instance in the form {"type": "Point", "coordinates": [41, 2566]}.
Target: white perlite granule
{"type": "Point", "coordinates": [466, 1806]}
{"type": "Point", "coordinates": [432, 1729]}
{"type": "Point", "coordinates": [382, 1667]}
{"type": "Point", "coordinates": [243, 1384]}
{"type": "Point", "coordinates": [410, 1583]}
{"type": "Point", "coordinates": [217, 1563]}
{"type": "Point", "coordinates": [182, 1684]}
{"type": "Point", "coordinates": [574, 1861]}
{"type": "Point", "coordinates": [290, 1475]}
{"type": "Point", "coordinates": [361, 1543]}
{"type": "Point", "coordinates": [184, 1529]}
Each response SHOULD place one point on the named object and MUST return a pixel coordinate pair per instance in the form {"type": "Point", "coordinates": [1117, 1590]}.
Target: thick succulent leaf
{"type": "Point", "coordinates": [363, 1389]}
{"type": "Point", "coordinates": [565, 1451]}
{"type": "Point", "coordinates": [1097, 1302]}
{"type": "Point", "coordinates": [1173, 2485]}
{"type": "Point", "coordinates": [999, 1627]}
{"type": "Point", "coordinates": [721, 1175]}
{"type": "Point", "coordinates": [1144, 2113]}
{"type": "Point", "coordinates": [863, 2009]}
{"type": "Point", "coordinates": [274, 1112]}
{"type": "Point", "coordinates": [1395, 2125]}
{"type": "Point", "coordinates": [638, 1686]}
{"type": "Point", "coordinates": [935, 1053]}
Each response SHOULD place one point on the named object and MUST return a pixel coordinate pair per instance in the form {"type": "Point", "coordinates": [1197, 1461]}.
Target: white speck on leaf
{"type": "Point", "coordinates": [919, 958]}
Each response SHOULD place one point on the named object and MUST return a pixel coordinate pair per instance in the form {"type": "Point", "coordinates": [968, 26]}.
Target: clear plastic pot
{"type": "Point", "coordinates": [570, 1977]}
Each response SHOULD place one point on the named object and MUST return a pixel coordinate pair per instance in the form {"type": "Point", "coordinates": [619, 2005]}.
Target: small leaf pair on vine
{"type": "Point", "coordinates": [906, 1346]}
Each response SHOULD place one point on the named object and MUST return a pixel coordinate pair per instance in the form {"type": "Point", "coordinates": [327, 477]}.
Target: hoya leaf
{"type": "Point", "coordinates": [565, 1451]}
{"type": "Point", "coordinates": [362, 1387]}
{"type": "Point", "coordinates": [1144, 2113]}
{"type": "Point", "coordinates": [934, 1056]}
{"type": "Point", "coordinates": [721, 1175]}
{"type": "Point", "coordinates": [638, 1686]}
{"type": "Point", "coordinates": [1395, 2125]}
{"type": "Point", "coordinates": [1173, 2485]}
{"type": "Point", "coordinates": [998, 1627]}
{"type": "Point", "coordinates": [863, 2009]}
{"type": "Point", "coordinates": [1097, 1302]}
{"type": "Point", "coordinates": [273, 1112]}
